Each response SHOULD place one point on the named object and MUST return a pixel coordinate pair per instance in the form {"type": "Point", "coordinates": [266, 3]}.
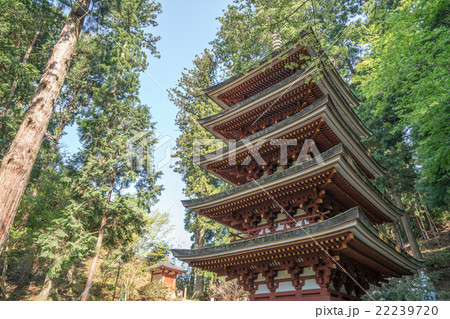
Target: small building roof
{"type": "Point", "coordinates": [168, 265]}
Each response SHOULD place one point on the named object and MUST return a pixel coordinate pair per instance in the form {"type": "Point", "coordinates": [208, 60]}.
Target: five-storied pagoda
{"type": "Point", "coordinates": [304, 213]}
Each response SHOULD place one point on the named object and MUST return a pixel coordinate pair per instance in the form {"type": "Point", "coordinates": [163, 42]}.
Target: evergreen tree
{"type": "Point", "coordinates": [403, 78]}
{"type": "Point", "coordinates": [193, 104]}
{"type": "Point", "coordinates": [116, 120]}
{"type": "Point", "coordinates": [248, 28]}
{"type": "Point", "coordinates": [18, 162]}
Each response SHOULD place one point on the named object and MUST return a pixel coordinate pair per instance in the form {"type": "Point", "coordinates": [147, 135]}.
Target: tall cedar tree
{"type": "Point", "coordinates": [67, 236]}
{"type": "Point", "coordinates": [116, 120]}
{"type": "Point", "coordinates": [18, 162]}
{"type": "Point", "coordinates": [193, 105]}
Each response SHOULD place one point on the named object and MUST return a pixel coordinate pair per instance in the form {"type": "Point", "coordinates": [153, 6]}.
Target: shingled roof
{"type": "Point", "coordinates": [168, 265]}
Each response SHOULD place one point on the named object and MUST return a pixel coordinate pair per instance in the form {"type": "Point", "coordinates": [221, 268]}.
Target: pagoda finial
{"type": "Point", "coordinates": [276, 41]}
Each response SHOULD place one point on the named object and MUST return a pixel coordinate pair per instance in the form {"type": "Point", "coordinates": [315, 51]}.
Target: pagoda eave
{"type": "Point", "coordinates": [349, 233]}
{"type": "Point", "coordinates": [270, 94]}
{"type": "Point", "coordinates": [348, 180]}
{"type": "Point", "coordinates": [322, 110]}
{"type": "Point", "coordinates": [243, 80]}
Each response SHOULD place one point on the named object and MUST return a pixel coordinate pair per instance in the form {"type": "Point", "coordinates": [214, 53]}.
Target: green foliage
{"type": "Point", "coordinates": [411, 288]}
{"type": "Point", "coordinates": [247, 28]}
{"type": "Point", "coordinates": [439, 260]}
{"type": "Point", "coordinates": [66, 198]}
{"type": "Point", "coordinates": [193, 105]}
{"type": "Point", "coordinates": [25, 26]}
{"type": "Point", "coordinates": [403, 75]}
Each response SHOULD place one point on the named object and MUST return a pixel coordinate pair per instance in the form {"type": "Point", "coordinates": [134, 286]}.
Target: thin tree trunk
{"type": "Point", "coordinates": [397, 234]}
{"type": "Point", "coordinates": [430, 219]}
{"type": "Point", "coordinates": [18, 162]}
{"type": "Point", "coordinates": [423, 225]}
{"type": "Point", "coordinates": [407, 227]}
{"type": "Point", "coordinates": [98, 246]}
{"type": "Point", "coordinates": [50, 285]}
{"type": "Point", "coordinates": [432, 225]}
{"type": "Point", "coordinates": [199, 280]}
{"type": "Point", "coordinates": [47, 289]}
{"type": "Point", "coordinates": [85, 295]}
{"type": "Point", "coordinates": [419, 226]}
{"type": "Point", "coordinates": [16, 80]}
{"type": "Point", "coordinates": [418, 221]}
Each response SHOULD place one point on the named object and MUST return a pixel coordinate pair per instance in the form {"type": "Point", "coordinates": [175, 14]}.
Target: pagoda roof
{"type": "Point", "coordinates": [275, 93]}
{"type": "Point", "coordinates": [336, 159]}
{"type": "Point", "coordinates": [367, 245]}
{"type": "Point", "coordinates": [323, 109]}
{"type": "Point", "coordinates": [313, 50]}
{"type": "Point", "coordinates": [167, 265]}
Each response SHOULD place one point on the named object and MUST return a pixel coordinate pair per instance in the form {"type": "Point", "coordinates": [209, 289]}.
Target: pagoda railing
{"type": "Point", "coordinates": [281, 226]}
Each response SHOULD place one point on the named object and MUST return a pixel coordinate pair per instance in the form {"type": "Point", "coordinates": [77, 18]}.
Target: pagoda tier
{"type": "Point", "coordinates": [248, 118]}
{"type": "Point", "coordinates": [303, 194]}
{"type": "Point", "coordinates": [311, 263]}
{"type": "Point", "coordinates": [240, 88]}
{"type": "Point", "coordinates": [284, 99]}
{"type": "Point", "coordinates": [320, 122]}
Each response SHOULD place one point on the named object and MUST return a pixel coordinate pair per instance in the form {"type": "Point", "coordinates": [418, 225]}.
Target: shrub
{"type": "Point", "coordinates": [411, 288]}
{"type": "Point", "coordinates": [223, 290]}
{"type": "Point", "coordinates": [155, 291]}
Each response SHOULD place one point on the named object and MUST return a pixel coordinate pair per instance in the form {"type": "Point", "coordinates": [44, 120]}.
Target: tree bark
{"type": "Point", "coordinates": [19, 160]}
{"type": "Point", "coordinates": [407, 227]}
{"type": "Point", "coordinates": [199, 280]}
{"type": "Point", "coordinates": [98, 246]}
{"type": "Point", "coordinates": [12, 91]}
{"type": "Point", "coordinates": [397, 234]}
{"type": "Point", "coordinates": [47, 289]}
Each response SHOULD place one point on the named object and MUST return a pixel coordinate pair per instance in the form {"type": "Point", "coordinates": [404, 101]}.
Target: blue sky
{"type": "Point", "coordinates": [186, 27]}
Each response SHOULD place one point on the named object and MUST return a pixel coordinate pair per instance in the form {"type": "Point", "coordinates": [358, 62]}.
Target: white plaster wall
{"type": "Point", "coordinates": [283, 275]}
{"type": "Point", "coordinates": [307, 271]}
{"type": "Point", "coordinates": [285, 286]}
{"type": "Point", "coordinates": [310, 284]}
{"type": "Point", "coordinates": [262, 289]}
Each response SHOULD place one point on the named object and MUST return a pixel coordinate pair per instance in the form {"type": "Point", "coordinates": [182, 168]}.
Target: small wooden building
{"type": "Point", "coordinates": [166, 273]}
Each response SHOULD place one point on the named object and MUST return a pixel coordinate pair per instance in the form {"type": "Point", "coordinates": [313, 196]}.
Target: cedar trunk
{"type": "Point", "coordinates": [98, 246]}
{"type": "Point", "coordinates": [17, 164]}
{"type": "Point", "coordinates": [407, 227]}
{"type": "Point", "coordinates": [199, 286]}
